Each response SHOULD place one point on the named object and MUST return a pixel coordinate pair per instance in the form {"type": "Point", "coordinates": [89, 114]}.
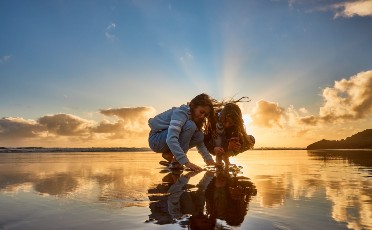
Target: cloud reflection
{"type": "Point", "coordinates": [119, 180]}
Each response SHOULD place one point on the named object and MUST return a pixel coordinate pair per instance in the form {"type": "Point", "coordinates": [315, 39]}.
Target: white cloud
{"type": "Point", "coordinates": [109, 33]}
{"type": "Point", "coordinates": [350, 9]}
{"type": "Point", "coordinates": [186, 57]}
{"type": "Point", "coordinates": [348, 99]}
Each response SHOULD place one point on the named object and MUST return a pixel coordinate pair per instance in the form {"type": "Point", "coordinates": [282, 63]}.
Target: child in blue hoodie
{"type": "Point", "coordinates": [178, 129]}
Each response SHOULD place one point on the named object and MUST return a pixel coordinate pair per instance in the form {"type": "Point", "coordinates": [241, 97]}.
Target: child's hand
{"type": "Point", "coordinates": [218, 151]}
{"type": "Point", "coordinates": [234, 144]}
{"type": "Point", "coordinates": [193, 166]}
{"type": "Point", "coordinates": [210, 162]}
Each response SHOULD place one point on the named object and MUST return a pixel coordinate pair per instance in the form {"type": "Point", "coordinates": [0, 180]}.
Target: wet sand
{"type": "Point", "coordinates": [296, 189]}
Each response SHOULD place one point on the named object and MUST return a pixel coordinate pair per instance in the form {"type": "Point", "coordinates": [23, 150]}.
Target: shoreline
{"type": "Point", "coordinates": [131, 149]}
{"type": "Point", "coordinates": [48, 150]}
{"type": "Point", "coordinates": [110, 149]}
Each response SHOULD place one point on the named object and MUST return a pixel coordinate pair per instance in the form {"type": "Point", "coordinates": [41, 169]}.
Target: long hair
{"type": "Point", "coordinates": [232, 111]}
{"type": "Point", "coordinates": [204, 100]}
{"type": "Point", "coordinates": [228, 109]}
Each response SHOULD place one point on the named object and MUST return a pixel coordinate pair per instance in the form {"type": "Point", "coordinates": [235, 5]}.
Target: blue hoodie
{"type": "Point", "coordinates": [173, 120]}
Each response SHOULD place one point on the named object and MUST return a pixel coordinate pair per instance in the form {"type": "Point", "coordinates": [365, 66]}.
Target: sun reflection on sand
{"type": "Point", "coordinates": [295, 176]}
{"type": "Point", "coordinates": [95, 178]}
{"type": "Point", "coordinates": [121, 180]}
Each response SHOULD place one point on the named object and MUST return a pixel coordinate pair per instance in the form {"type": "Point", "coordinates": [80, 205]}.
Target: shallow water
{"type": "Point", "coordinates": [287, 189]}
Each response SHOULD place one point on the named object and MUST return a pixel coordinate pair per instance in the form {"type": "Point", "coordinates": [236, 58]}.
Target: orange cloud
{"type": "Point", "coordinates": [309, 120]}
{"type": "Point", "coordinates": [131, 122]}
{"type": "Point", "coordinates": [65, 124]}
{"type": "Point", "coordinates": [136, 114]}
{"type": "Point", "coordinates": [350, 9]}
{"type": "Point", "coordinates": [267, 114]}
{"type": "Point", "coordinates": [17, 128]}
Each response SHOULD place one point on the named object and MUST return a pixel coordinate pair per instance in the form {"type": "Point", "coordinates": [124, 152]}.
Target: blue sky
{"type": "Point", "coordinates": [81, 57]}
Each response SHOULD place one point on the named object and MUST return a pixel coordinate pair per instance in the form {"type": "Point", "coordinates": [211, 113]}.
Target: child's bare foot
{"type": "Point", "coordinates": [167, 156]}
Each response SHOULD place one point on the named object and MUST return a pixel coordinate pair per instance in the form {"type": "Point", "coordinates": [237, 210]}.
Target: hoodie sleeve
{"type": "Point", "coordinates": [178, 119]}
{"type": "Point", "coordinates": [203, 151]}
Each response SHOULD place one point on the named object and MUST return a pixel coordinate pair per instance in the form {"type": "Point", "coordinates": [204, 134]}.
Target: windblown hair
{"type": "Point", "coordinates": [228, 109]}
{"type": "Point", "coordinates": [204, 100]}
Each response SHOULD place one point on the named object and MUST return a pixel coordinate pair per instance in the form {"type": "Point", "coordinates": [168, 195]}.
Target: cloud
{"type": "Point", "coordinates": [18, 128]}
{"type": "Point", "coordinates": [131, 122]}
{"type": "Point", "coordinates": [186, 57]}
{"type": "Point", "coordinates": [350, 9]}
{"type": "Point", "coordinates": [5, 58]}
{"type": "Point", "coordinates": [108, 127]}
{"type": "Point", "coordinates": [65, 124]}
{"type": "Point", "coordinates": [309, 120]}
{"type": "Point", "coordinates": [267, 114]}
{"type": "Point", "coordinates": [348, 99]}
{"type": "Point", "coordinates": [346, 109]}
{"type": "Point", "coordinates": [290, 3]}
{"type": "Point", "coordinates": [109, 32]}
{"type": "Point", "coordinates": [131, 114]}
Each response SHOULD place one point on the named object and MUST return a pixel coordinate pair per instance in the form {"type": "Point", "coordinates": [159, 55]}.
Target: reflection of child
{"type": "Point", "coordinates": [176, 130]}
{"type": "Point", "coordinates": [182, 201]}
{"type": "Point", "coordinates": [227, 197]}
{"type": "Point", "coordinates": [228, 137]}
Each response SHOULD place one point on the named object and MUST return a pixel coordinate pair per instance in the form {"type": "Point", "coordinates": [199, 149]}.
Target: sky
{"type": "Point", "coordinates": [91, 73]}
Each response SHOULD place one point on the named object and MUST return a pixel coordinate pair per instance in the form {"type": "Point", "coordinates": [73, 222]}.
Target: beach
{"type": "Point", "coordinates": [295, 189]}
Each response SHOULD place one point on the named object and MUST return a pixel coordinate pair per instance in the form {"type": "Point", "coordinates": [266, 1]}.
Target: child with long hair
{"type": "Point", "coordinates": [178, 129]}
{"type": "Point", "coordinates": [227, 136]}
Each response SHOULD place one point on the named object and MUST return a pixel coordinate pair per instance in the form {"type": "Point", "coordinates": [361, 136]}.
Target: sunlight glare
{"type": "Point", "coordinates": [247, 121]}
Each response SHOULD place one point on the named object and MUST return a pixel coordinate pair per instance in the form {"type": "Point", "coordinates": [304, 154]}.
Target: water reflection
{"type": "Point", "coordinates": [295, 190]}
{"type": "Point", "coordinates": [58, 184]}
{"type": "Point", "coordinates": [350, 195]}
{"type": "Point", "coordinates": [93, 178]}
{"type": "Point", "coordinates": [354, 157]}
{"type": "Point", "coordinates": [220, 197]}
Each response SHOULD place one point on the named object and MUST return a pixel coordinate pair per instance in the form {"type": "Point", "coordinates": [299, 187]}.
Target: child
{"type": "Point", "coordinates": [228, 137]}
{"type": "Point", "coordinates": [176, 130]}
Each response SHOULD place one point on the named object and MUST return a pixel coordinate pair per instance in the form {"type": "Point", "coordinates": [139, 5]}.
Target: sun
{"type": "Point", "coordinates": [247, 121]}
